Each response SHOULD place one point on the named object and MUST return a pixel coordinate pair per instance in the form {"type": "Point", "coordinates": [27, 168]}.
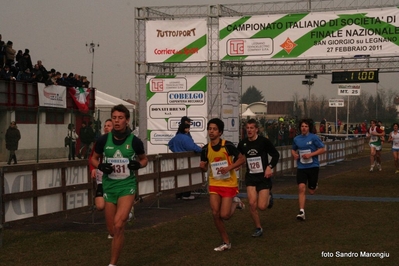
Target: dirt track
{"type": "Point", "coordinates": [153, 212]}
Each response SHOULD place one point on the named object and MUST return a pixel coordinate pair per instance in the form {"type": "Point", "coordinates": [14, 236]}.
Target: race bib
{"type": "Point", "coordinates": [374, 138]}
{"type": "Point", "coordinates": [215, 166]}
{"type": "Point", "coordinates": [121, 171]}
{"type": "Point", "coordinates": [396, 144]}
{"type": "Point", "coordinates": [255, 165]}
{"type": "Point", "coordinates": [303, 160]}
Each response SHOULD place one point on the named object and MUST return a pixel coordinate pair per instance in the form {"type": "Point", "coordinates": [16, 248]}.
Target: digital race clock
{"type": "Point", "coordinates": [355, 76]}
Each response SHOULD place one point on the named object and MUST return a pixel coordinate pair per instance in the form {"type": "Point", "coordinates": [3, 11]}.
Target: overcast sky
{"type": "Point", "coordinates": [57, 32]}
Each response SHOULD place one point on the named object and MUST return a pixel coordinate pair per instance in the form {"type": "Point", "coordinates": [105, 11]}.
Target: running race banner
{"type": "Point", "coordinates": [348, 34]}
{"type": "Point", "coordinates": [168, 100]}
{"type": "Point", "coordinates": [51, 96]}
{"type": "Point", "coordinates": [176, 41]}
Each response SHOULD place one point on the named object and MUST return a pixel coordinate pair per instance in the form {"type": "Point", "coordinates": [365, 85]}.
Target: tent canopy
{"type": "Point", "coordinates": [249, 113]}
{"type": "Point", "coordinates": [104, 100]}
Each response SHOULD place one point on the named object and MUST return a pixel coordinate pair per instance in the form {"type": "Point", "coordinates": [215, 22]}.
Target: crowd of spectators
{"type": "Point", "coordinates": [18, 66]}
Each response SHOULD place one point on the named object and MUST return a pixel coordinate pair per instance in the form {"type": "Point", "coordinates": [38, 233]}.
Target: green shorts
{"type": "Point", "coordinates": [114, 189]}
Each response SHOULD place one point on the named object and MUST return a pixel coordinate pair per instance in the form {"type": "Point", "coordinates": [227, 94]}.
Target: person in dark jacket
{"type": "Point", "coordinates": [12, 138]}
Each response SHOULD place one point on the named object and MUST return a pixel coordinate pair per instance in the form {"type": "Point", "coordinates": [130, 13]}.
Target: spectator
{"type": "Point", "coordinates": [29, 60]}
{"type": "Point", "coordinates": [25, 76]}
{"type": "Point", "coordinates": [85, 82]}
{"type": "Point", "coordinates": [72, 136]}
{"type": "Point", "coordinates": [23, 63]}
{"type": "Point", "coordinates": [18, 58]}
{"type": "Point", "coordinates": [292, 134]}
{"type": "Point", "coordinates": [37, 73]}
{"type": "Point", "coordinates": [6, 73]}
{"type": "Point", "coordinates": [12, 138]}
{"type": "Point", "coordinates": [2, 52]}
{"type": "Point", "coordinates": [183, 142]}
{"type": "Point", "coordinates": [76, 81]}
{"type": "Point", "coordinates": [281, 135]}
{"type": "Point", "coordinates": [43, 70]}
{"type": "Point", "coordinates": [86, 139]}
{"type": "Point", "coordinates": [10, 54]}
{"type": "Point", "coordinates": [70, 80]}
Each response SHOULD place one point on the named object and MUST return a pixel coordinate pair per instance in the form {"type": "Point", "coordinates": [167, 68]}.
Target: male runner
{"type": "Point", "coordinates": [258, 181]}
{"type": "Point", "coordinates": [120, 148]}
{"type": "Point", "coordinates": [305, 150]}
{"type": "Point", "coordinates": [223, 158]}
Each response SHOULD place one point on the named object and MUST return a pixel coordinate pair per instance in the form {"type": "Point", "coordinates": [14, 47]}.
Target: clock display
{"type": "Point", "coordinates": [355, 76]}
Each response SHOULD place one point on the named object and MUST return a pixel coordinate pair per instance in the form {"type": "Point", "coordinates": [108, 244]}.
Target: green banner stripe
{"type": "Point", "coordinates": [201, 85]}
{"type": "Point", "coordinates": [187, 51]}
{"type": "Point", "coordinates": [223, 33]}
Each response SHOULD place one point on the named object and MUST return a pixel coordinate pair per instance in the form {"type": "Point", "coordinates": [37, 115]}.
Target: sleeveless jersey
{"type": "Point", "coordinates": [395, 140]}
{"type": "Point", "coordinates": [375, 140]}
{"type": "Point", "coordinates": [218, 159]}
{"type": "Point", "coordinates": [119, 156]}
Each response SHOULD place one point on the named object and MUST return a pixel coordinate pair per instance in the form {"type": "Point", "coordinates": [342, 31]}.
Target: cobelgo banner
{"type": "Point", "coordinates": [341, 34]}
{"type": "Point", "coordinates": [176, 41]}
{"type": "Point", "coordinates": [168, 100]}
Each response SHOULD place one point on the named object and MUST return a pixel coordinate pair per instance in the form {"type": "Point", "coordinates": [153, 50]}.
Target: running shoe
{"type": "Point", "coordinates": [110, 237]}
{"type": "Point", "coordinates": [301, 216]}
{"type": "Point", "coordinates": [271, 201]}
{"type": "Point", "coordinates": [397, 172]}
{"type": "Point", "coordinates": [379, 167]}
{"type": "Point", "coordinates": [131, 216]}
{"type": "Point", "coordinates": [240, 204]}
{"type": "Point", "coordinates": [371, 169]}
{"type": "Point", "coordinates": [223, 247]}
{"type": "Point", "coordinates": [258, 232]}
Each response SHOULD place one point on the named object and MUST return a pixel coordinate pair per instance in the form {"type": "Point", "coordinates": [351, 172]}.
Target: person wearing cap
{"type": "Point", "coordinates": [185, 120]}
{"type": "Point", "coordinates": [12, 138]}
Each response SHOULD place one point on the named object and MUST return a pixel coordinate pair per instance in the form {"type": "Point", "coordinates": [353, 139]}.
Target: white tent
{"type": "Point", "coordinates": [104, 103]}
{"type": "Point", "coordinates": [248, 113]}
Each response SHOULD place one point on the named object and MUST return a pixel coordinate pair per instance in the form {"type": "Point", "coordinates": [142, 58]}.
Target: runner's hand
{"type": "Point", "coordinates": [134, 165]}
{"type": "Point", "coordinates": [106, 168]}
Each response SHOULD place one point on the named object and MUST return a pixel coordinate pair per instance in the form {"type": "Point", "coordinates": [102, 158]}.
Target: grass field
{"type": "Point", "coordinates": [332, 230]}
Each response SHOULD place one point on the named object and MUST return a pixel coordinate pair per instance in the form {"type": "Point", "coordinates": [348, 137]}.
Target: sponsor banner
{"type": "Point", "coordinates": [176, 41]}
{"type": "Point", "coordinates": [164, 110]}
{"type": "Point", "coordinates": [348, 34]}
{"type": "Point", "coordinates": [230, 109]}
{"type": "Point", "coordinates": [198, 124]}
{"type": "Point", "coordinates": [166, 85]}
{"type": "Point", "coordinates": [336, 103]}
{"type": "Point", "coordinates": [349, 89]}
{"type": "Point", "coordinates": [51, 96]}
{"type": "Point", "coordinates": [189, 97]}
{"type": "Point", "coordinates": [168, 100]}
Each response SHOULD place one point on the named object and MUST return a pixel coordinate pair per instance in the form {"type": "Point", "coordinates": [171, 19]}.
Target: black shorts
{"type": "Point", "coordinates": [309, 176]}
{"type": "Point", "coordinates": [260, 182]}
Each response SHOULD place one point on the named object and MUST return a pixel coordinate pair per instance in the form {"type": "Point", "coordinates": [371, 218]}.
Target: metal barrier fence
{"type": "Point", "coordinates": [33, 191]}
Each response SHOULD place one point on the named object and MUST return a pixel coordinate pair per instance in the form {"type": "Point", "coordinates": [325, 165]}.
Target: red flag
{"type": "Point", "coordinates": [81, 98]}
